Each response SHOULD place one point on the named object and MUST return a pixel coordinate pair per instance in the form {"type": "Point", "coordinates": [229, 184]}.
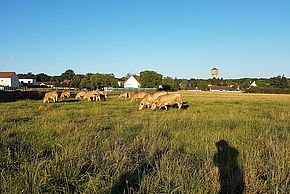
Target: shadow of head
{"type": "Point", "coordinates": [129, 182]}
{"type": "Point", "coordinates": [230, 174]}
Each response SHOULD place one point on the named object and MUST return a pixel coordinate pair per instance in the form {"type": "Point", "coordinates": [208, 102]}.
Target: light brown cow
{"type": "Point", "coordinates": [103, 94]}
{"type": "Point", "coordinates": [81, 94]}
{"type": "Point", "coordinates": [138, 96]}
{"type": "Point", "coordinates": [50, 95]}
{"type": "Point", "coordinates": [124, 95]}
{"type": "Point", "coordinates": [65, 94]}
{"type": "Point", "coordinates": [168, 100]}
{"type": "Point", "coordinates": [92, 95]}
{"type": "Point", "coordinates": [149, 99]}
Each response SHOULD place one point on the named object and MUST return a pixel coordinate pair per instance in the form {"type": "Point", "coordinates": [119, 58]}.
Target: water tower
{"type": "Point", "coordinates": [214, 73]}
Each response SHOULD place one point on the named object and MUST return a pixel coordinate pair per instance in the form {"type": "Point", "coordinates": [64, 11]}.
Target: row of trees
{"type": "Point", "coordinates": [152, 79]}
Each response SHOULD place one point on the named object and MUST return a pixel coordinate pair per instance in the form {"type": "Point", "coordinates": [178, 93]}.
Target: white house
{"type": "Point", "coordinates": [253, 84]}
{"type": "Point", "coordinates": [133, 82]}
{"type": "Point", "coordinates": [48, 84]}
{"type": "Point", "coordinates": [27, 82]}
{"type": "Point", "coordinates": [9, 79]}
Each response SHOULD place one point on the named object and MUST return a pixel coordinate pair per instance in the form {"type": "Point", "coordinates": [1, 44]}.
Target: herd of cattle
{"type": "Point", "coordinates": [151, 100]}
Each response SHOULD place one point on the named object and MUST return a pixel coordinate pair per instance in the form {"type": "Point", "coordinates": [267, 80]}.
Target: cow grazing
{"type": "Point", "coordinates": [81, 94]}
{"type": "Point", "coordinates": [149, 99]}
{"type": "Point", "coordinates": [92, 95]}
{"type": "Point", "coordinates": [138, 96]}
{"type": "Point", "coordinates": [65, 94]}
{"type": "Point", "coordinates": [124, 95]}
{"type": "Point", "coordinates": [103, 94]}
{"type": "Point", "coordinates": [50, 95]}
{"type": "Point", "coordinates": [168, 100]}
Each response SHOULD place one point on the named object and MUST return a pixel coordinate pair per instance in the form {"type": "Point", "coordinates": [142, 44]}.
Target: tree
{"type": "Point", "coordinates": [184, 84]}
{"type": "Point", "coordinates": [168, 83]}
{"type": "Point", "coordinates": [67, 75]}
{"type": "Point", "coordinates": [42, 77]}
{"type": "Point", "coordinates": [29, 75]}
{"type": "Point", "coordinates": [150, 79]}
{"type": "Point", "coordinates": [126, 77]}
{"type": "Point", "coordinates": [279, 81]}
{"type": "Point", "coordinates": [76, 81]}
{"type": "Point", "coordinates": [246, 84]}
{"type": "Point", "coordinates": [84, 83]}
{"type": "Point", "coordinates": [102, 80]}
{"type": "Point", "coordinates": [215, 81]}
{"type": "Point", "coordinates": [176, 83]}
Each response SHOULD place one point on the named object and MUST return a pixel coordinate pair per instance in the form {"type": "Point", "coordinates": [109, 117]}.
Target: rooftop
{"type": "Point", "coordinates": [6, 74]}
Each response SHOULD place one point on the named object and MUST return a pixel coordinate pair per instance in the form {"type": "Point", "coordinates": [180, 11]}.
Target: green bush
{"type": "Point", "coordinates": [268, 90]}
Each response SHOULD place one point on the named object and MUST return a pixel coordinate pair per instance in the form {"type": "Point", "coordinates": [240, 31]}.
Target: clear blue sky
{"type": "Point", "coordinates": [183, 38]}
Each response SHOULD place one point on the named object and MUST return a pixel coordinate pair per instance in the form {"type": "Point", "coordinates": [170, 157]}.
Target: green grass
{"type": "Point", "coordinates": [111, 146]}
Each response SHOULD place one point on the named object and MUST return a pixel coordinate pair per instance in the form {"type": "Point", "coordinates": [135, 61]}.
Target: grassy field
{"type": "Point", "coordinates": [112, 147]}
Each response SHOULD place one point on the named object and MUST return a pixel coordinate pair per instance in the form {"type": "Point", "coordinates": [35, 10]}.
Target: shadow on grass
{"type": "Point", "coordinates": [129, 182]}
{"type": "Point", "coordinates": [184, 106]}
{"type": "Point", "coordinates": [68, 100]}
{"type": "Point", "coordinates": [230, 175]}
{"type": "Point", "coordinates": [13, 96]}
{"type": "Point", "coordinates": [17, 120]}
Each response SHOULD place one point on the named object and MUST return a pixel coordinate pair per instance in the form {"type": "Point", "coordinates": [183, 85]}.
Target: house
{"type": "Point", "coordinates": [133, 82]}
{"type": "Point", "coordinates": [9, 79]}
{"type": "Point", "coordinates": [66, 82]}
{"type": "Point", "coordinates": [27, 82]}
{"type": "Point", "coordinates": [48, 84]}
{"type": "Point", "coordinates": [219, 88]}
{"type": "Point", "coordinates": [120, 83]}
{"type": "Point", "coordinates": [253, 84]}
{"type": "Point", "coordinates": [196, 89]}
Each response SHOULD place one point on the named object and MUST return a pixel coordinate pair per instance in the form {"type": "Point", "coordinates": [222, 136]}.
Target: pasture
{"type": "Point", "coordinates": [112, 147]}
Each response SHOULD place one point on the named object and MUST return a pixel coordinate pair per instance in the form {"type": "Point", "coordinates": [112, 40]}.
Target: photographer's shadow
{"type": "Point", "coordinates": [230, 175]}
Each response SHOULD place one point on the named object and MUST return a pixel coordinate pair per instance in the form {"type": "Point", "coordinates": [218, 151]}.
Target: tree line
{"type": "Point", "coordinates": [153, 79]}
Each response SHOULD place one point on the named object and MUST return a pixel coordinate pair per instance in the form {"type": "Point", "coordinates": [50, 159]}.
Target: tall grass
{"type": "Point", "coordinates": [112, 147]}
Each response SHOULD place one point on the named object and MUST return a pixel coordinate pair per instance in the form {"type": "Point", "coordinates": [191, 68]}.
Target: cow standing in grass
{"type": "Point", "coordinates": [92, 95]}
{"type": "Point", "coordinates": [103, 95]}
{"type": "Point", "coordinates": [50, 95]}
{"type": "Point", "coordinates": [149, 99]}
{"type": "Point", "coordinates": [124, 95]}
{"type": "Point", "coordinates": [65, 94]}
{"type": "Point", "coordinates": [168, 100]}
{"type": "Point", "coordinates": [138, 96]}
{"type": "Point", "coordinates": [81, 94]}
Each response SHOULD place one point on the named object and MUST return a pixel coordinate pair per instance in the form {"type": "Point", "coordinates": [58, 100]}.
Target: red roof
{"type": "Point", "coordinates": [66, 81]}
{"type": "Point", "coordinates": [219, 87]}
{"type": "Point", "coordinates": [6, 74]}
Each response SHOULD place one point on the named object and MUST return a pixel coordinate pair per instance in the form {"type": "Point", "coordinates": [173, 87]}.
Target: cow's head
{"type": "Point", "coordinates": [153, 105]}
{"type": "Point", "coordinates": [142, 104]}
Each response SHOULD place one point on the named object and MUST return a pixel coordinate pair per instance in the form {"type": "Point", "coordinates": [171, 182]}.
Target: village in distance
{"type": "Point", "coordinates": [147, 79]}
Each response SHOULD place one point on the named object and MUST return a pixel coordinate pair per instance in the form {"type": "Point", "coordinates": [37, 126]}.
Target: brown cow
{"type": "Point", "coordinates": [50, 95]}
{"type": "Point", "coordinates": [92, 95]}
{"type": "Point", "coordinates": [81, 94]}
{"type": "Point", "coordinates": [138, 95]}
{"type": "Point", "coordinates": [149, 99]}
{"type": "Point", "coordinates": [65, 94]}
{"type": "Point", "coordinates": [168, 100]}
{"type": "Point", "coordinates": [124, 95]}
{"type": "Point", "coordinates": [103, 94]}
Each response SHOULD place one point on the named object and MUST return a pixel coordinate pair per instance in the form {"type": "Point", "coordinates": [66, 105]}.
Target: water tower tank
{"type": "Point", "coordinates": [214, 72]}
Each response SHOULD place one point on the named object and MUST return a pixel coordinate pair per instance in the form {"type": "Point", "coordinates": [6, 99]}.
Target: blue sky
{"type": "Point", "coordinates": [182, 38]}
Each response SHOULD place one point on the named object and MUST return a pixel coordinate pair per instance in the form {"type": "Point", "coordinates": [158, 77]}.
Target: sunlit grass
{"type": "Point", "coordinates": [111, 146]}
